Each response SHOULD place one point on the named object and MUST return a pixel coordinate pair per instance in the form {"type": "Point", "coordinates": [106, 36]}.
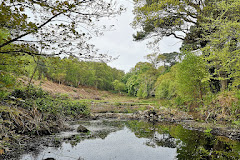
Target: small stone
{"type": "Point", "coordinates": [82, 129]}
{"type": "Point", "coordinates": [49, 159]}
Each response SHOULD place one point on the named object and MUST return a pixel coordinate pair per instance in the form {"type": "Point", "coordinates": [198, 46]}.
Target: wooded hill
{"type": "Point", "coordinates": [203, 77]}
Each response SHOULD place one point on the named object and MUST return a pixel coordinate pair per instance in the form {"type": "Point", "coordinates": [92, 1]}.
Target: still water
{"type": "Point", "coordinates": [136, 140]}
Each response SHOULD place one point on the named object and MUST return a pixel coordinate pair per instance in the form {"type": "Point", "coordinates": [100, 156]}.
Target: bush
{"type": "Point", "coordinates": [179, 101]}
{"type": "Point", "coordinates": [37, 98]}
{"type": "Point", "coordinates": [29, 93]}
{"type": "Point", "coordinates": [75, 108]}
{"type": "Point", "coordinates": [62, 96]}
{"type": "Point", "coordinates": [57, 106]}
{"type": "Point", "coordinates": [221, 106]}
{"type": "Point", "coordinates": [162, 90]}
{"type": "Point", "coordinates": [3, 94]}
{"type": "Point", "coordinates": [6, 80]}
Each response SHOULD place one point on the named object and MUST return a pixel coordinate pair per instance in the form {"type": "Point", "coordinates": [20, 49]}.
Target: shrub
{"type": "Point", "coordinates": [75, 108]}
{"type": "Point", "coordinates": [37, 98]}
{"type": "Point", "coordinates": [29, 93]}
{"type": "Point", "coordinates": [3, 94]}
{"type": "Point", "coordinates": [6, 80]}
{"type": "Point", "coordinates": [58, 106]}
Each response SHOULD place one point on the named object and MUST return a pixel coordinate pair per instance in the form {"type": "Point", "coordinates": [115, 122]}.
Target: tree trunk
{"type": "Point", "coordinates": [223, 82]}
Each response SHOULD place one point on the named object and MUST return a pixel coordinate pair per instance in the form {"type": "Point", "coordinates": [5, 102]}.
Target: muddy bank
{"type": "Point", "coordinates": [182, 118]}
{"type": "Point", "coordinates": [162, 114]}
{"type": "Point", "coordinates": [226, 130]}
{"type": "Point", "coordinates": [34, 144]}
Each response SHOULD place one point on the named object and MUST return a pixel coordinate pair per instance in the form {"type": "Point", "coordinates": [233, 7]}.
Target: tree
{"type": "Point", "coordinates": [171, 58]}
{"type": "Point", "coordinates": [190, 76]}
{"type": "Point", "coordinates": [180, 19]}
{"type": "Point", "coordinates": [56, 69]}
{"type": "Point", "coordinates": [146, 87]}
{"type": "Point", "coordinates": [119, 86]}
{"type": "Point", "coordinates": [223, 52]}
{"type": "Point", "coordinates": [155, 59]}
{"type": "Point", "coordinates": [211, 26]}
{"type": "Point", "coordinates": [166, 84]}
{"type": "Point", "coordinates": [73, 72]}
{"type": "Point", "coordinates": [10, 65]}
{"type": "Point", "coordinates": [53, 27]}
{"type": "Point", "coordinates": [167, 59]}
{"type": "Point", "coordinates": [140, 80]}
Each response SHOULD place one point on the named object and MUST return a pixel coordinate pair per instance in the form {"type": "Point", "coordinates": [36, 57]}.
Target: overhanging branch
{"type": "Point", "coordinates": [175, 36]}
{"type": "Point", "coordinates": [27, 33]}
{"type": "Point", "coordinates": [30, 53]}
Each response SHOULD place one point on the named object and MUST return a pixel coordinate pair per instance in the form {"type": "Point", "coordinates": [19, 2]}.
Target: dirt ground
{"type": "Point", "coordinates": [82, 92]}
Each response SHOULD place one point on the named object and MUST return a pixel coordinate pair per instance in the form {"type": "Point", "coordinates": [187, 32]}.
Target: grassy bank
{"type": "Point", "coordinates": [32, 111]}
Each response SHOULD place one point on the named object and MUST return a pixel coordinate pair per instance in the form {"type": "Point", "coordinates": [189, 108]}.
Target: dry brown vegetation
{"type": "Point", "coordinates": [81, 92]}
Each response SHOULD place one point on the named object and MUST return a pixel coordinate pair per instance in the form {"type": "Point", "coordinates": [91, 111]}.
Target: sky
{"type": "Point", "coordinates": [119, 42]}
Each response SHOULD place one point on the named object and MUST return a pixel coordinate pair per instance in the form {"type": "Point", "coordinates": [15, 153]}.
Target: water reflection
{"type": "Point", "coordinates": [139, 140]}
{"type": "Point", "coordinates": [189, 144]}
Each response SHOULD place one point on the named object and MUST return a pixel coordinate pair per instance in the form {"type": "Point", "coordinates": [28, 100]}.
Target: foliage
{"type": "Point", "coordinates": [169, 18]}
{"type": "Point", "coordinates": [29, 93]}
{"type": "Point", "coordinates": [69, 71]}
{"type": "Point", "coordinates": [208, 75]}
{"type": "Point", "coordinates": [119, 86]}
{"type": "Point", "coordinates": [223, 105]}
{"type": "Point", "coordinates": [166, 85]}
{"type": "Point", "coordinates": [42, 101]}
{"type": "Point", "coordinates": [75, 73]}
{"type": "Point", "coordinates": [58, 26]}
{"type": "Point", "coordinates": [190, 76]}
{"type": "Point", "coordinates": [65, 107]}
{"type": "Point", "coordinates": [140, 81]}
{"type": "Point", "coordinates": [157, 60]}
{"type": "Point", "coordinates": [171, 58]}
{"type": "Point", "coordinates": [10, 65]}
{"type": "Point", "coordinates": [6, 80]}
{"type": "Point", "coordinates": [222, 52]}
{"type": "Point", "coordinates": [181, 19]}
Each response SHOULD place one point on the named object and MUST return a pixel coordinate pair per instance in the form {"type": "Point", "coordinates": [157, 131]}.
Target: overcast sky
{"type": "Point", "coordinates": [120, 41]}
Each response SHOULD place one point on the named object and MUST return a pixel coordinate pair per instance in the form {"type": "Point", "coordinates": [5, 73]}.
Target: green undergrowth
{"type": "Point", "coordinates": [35, 98]}
{"type": "Point", "coordinates": [32, 111]}
{"type": "Point", "coordinates": [221, 107]}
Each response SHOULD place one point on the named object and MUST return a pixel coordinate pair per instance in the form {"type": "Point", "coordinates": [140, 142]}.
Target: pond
{"type": "Point", "coordinates": [135, 140]}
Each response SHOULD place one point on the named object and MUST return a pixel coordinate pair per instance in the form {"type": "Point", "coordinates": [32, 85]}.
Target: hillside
{"type": "Point", "coordinates": [76, 93]}
{"type": "Point", "coordinates": [81, 92]}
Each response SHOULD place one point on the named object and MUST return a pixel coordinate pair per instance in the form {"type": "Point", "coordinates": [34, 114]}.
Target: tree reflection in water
{"type": "Point", "coordinates": [190, 144]}
{"type": "Point", "coordinates": [141, 140]}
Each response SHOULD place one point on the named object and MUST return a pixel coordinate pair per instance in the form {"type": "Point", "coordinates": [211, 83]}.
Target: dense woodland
{"type": "Point", "coordinates": [69, 71]}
